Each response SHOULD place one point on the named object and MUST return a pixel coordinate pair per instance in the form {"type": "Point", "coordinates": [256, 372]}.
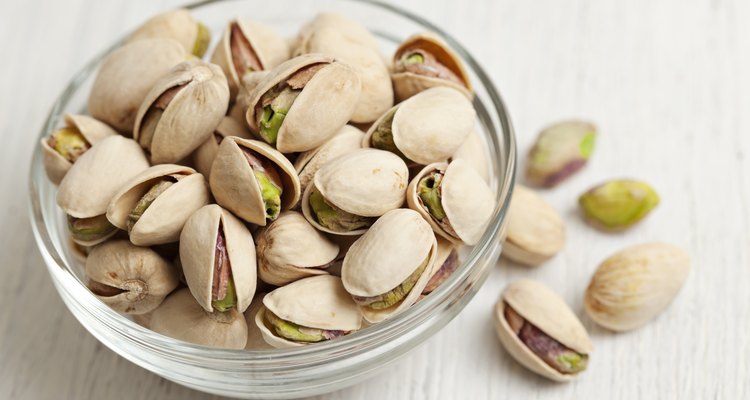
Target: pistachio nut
{"type": "Point", "coordinates": [636, 284]}
{"type": "Point", "coordinates": [310, 310]}
{"type": "Point", "coordinates": [425, 61]}
{"type": "Point", "coordinates": [90, 184]}
{"type": "Point", "coordinates": [426, 128]}
{"type": "Point", "coordinates": [255, 339]}
{"type": "Point", "coordinates": [474, 151]}
{"type": "Point", "coordinates": [618, 204]}
{"type": "Point", "coordinates": [179, 25]}
{"type": "Point", "coordinates": [204, 155]}
{"type": "Point", "coordinates": [387, 269]}
{"type": "Point", "coordinates": [349, 192]}
{"type": "Point", "coordinates": [248, 83]}
{"type": "Point", "coordinates": [124, 79]}
{"type": "Point", "coordinates": [303, 102]}
{"type": "Point", "coordinates": [181, 111]}
{"type": "Point", "coordinates": [154, 205]}
{"type": "Point", "coordinates": [347, 139]}
{"type": "Point", "coordinates": [560, 151]}
{"type": "Point", "coordinates": [63, 147]}
{"type": "Point", "coordinates": [248, 46]}
{"type": "Point", "coordinates": [541, 332]}
{"type": "Point", "coordinates": [253, 180]}
{"type": "Point", "coordinates": [454, 199]}
{"type": "Point", "coordinates": [218, 259]}
{"type": "Point", "coordinates": [352, 29]}
{"type": "Point", "coordinates": [446, 263]}
{"type": "Point", "coordinates": [128, 278]}
{"type": "Point", "coordinates": [182, 318]}
{"type": "Point", "coordinates": [536, 232]}
{"type": "Point", "coordinates": [290, 249]}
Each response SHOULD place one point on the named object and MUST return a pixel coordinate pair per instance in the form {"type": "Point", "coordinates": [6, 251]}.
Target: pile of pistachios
{"type": "Point", "coordinates": [287, 192]}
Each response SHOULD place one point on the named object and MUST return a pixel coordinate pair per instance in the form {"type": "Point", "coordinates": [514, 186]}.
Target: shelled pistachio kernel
{"type": "Point", "coordinates": [618, 204]}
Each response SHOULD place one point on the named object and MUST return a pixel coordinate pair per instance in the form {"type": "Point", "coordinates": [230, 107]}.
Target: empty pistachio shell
{"type": "Point", "coordinates": [181, 111]}
{"type": "Point", "coordinates": [130, 279]}
{"type": "Point", "coordinates": [535, 230]}
{"type": "Point", "coordinates": [63, 147]}
{"type": "Point", "coordinates": [388, 267]}
{"type": "Point", "coordinates": [473, 150]}
{"type": "Point", "coordinates": [618, 204]}
{"type": "Point", "coordinates": [307, 164]}
{"type": "Point", "coordinates": [253, 180]}
{"type": "Point", "coordinates": [218, 258]}
{"type": "Point", "coordinates": [560, 151]}
{"type": "Point", "coordinates": [126, 76]}
{"type": "Point", "coordinates": [179, 25]}
{"type": "Point", "coordinates": [181, 317]}
{"type": "Point", "coordinates": [540, 331]}
{"type": "Point", "coordinates": [636, 284]}
{"type": "Point", "coordinates": [310, 310]}
{"type": "Point", "coordinates": [204, 155]}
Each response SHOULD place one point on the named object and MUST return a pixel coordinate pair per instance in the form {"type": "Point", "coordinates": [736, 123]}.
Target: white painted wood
{"type": "Point", "coordinates": [667, 82]}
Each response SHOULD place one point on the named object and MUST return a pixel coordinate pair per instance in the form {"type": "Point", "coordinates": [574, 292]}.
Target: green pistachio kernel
{"type": "Point", "coordinates": [560, 151]}
{"type": "Point", "coordinates": [69, 143]}
{"type": "Point", "coordinates": [202, 40]}
{"type": "Point", "coordinates": [570, 362]}
{"type": "Point", "coordinates": [414, 58]}
{"type": "Point", "coordinates": [89, 229]}
{"type": "Point", "coordinates": [270, 193]}
{"type": "Point", "coordinates": [292, 331]}
{"type": "Point", "coordinates": [396, 295]}
{"type": "Point", "coordinates": [335, 218]}
{"type": "Point", "coordinates": [618, 204]}
{"type": "Point", "coordinates": [230, 298]}
{"type": "Point", "coordinates": [145, 202]}
{"type": "Point", "coordinates": [274, 113]}
{"type": "Point", "coordinates": [429, 192]}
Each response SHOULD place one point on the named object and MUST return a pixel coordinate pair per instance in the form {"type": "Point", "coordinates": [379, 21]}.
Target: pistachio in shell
{"type": "Point", "coordinates": [181, 111]}
{"type": "Point", "coordinates": [636, 284]}
{"type": "Point", "coordinates": [473, 150]}
{"type": "Point", "coordinates": [130, 279]}
{"type": "Point", "coordinates": [446, 263]}
{"type": "Point", "coordinates": [125, 77]}
{"type": "Point", "coordinates": [64, 146]}
{"type": "Point", "coordinates": [253, 180]}
{"type": "Point", "coordinates": [182, 318]}
{"type": "Point", "coordinates": [349, 192]}
{"type": "Point", "coordinates": [179, 25]}
{"type": "Point", "coordinates": [425, 61]}
{"type": "Point", "coordinates": [541, 332]}
{"type": "Point", "coordinates": [536, 232]}
{"type": "Point", "coordinates": [618, 204]}
{"type": "Point", "coordinates": [303, 102]}
{"type": "Point", "coordinates": [204, 155]}
{"type": "Point", "coordinates": [560, 151]}
{"type": "Point", "coordinates": [387, 268]}
{"type": "Point", "coordinates": [310, 310]}
{"type": "Point", "coordinates": [347, 139]}
{"type": "Point", "coordinates": [426, 128]}
{"type": "Point", "coordinates": [352, 30]}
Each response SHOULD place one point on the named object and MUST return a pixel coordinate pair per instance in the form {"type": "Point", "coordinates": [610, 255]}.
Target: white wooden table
{"type": "Point", "coordinates": [668, 83]}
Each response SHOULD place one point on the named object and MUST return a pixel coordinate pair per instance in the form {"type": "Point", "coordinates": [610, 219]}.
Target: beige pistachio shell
{"type": "Point", "coordinates": [290, 249]}
{"type": "Point", "coordinates": [536, 232]}
{"type": "Point", "coordinates": [98, 174]}
{"type": "Point", "coordinates": [163, 220]}
{"type": "Point", "coordinates": [235, 187]}
{"type": "Point", "coordinates": [55, 165]}
{"type": "Point", "coordinates": [407, 84]}
{"type": "Point", "coordinates": [324, 105]}
{"type": "Point", "coordinates": [352, 29]}
{"type": "Point", "coordinates": [198, 252]}
{"type": "Point", "coordinates": [474, 151]}
{"type": "Point", "coordinates": [255, 339]}
{"type": "Point", "coordinates": [204, 155]}
{"type": "Point", "coordinates": [144, 278]}
{"type": "Point", "coordinates": [179, 25]}
{"type": "Point", "coordinates": [238, 110]}
{"type": "Point", "coordinates": [388, 253]}
{"type": "Point", "coordinates": [126, 76]}
{"type": "Point", "coordinates": [308, 163]}
{"type": "Point", "coordinates": [430, 126]}
{"type": "Point", "coordinates": [182, 318]}
{"type": "Point", "coordinates": [191, 116]}
{"type": "Point", "coordinates": [547, 311]}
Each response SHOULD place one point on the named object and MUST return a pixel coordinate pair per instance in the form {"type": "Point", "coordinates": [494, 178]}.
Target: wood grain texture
{"type": "Point", "coordinates": [667, 82]}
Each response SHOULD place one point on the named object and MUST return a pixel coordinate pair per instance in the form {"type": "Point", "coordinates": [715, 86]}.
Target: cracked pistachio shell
{"type": "Point", "coordinates": [536, 232]}
{"type": "Point", "coordinates": [163, 220]}
{"type": "Point", "coordinates": [466, 198]}
{"type": "Point", "coordinates": [635, 285]}
{"type": "Point", "coordinates": [198, 252]}
{"type": "Point", "coordinates": [308, 163]}
{"type": "Point", "coordinates": [430, 126]}
{"type": "Point", "coordinates": [407, 84]}
{"type": "Point", "coordinates": [182, 318]}
{"type": "Point", "coordinates": [179, 25]}
{"type": "Point", "coordinates": [191, 116]}
{"type": "Point", "coordinates": [204, 155]}
{"type": "Point", "coordinates": [255, 339]}
{"type": "Point", "coordinates": [473, 151]}
{"type": "Point", "coordinates": [126, 76]}
{"type": "Point", "coordinates": [388, 253]}
{"type": "Point", "coordinates": [560, 151]}
{"type": "Point", "coordinates": [55, 165]}
{"type": "Point", "coordinates": [618, 204]}
{"type": "Point", "coordinates": [269, 47]}
{"type": "Point", "coordinates": [236, 188]}
{"type": "Point", "coordinates": [144, 278]}
{"type": "Point", "coordinates": [547, 311]}
{"type": "Point", "coordinates": [98, 174]}
{"type": "Point", "coordinates": [319, 302]}
{"type": "Point", "coordinates": [290, 249]}
{"type": "Point", "coordinates": [324, 105]}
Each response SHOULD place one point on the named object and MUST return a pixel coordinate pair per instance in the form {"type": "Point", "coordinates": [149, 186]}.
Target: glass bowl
{"type": "Point", "coordinates": [302, 371]}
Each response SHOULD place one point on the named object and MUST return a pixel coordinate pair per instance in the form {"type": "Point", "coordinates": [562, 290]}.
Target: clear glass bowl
{"type": "Point", "coordinates": [312, 369]}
